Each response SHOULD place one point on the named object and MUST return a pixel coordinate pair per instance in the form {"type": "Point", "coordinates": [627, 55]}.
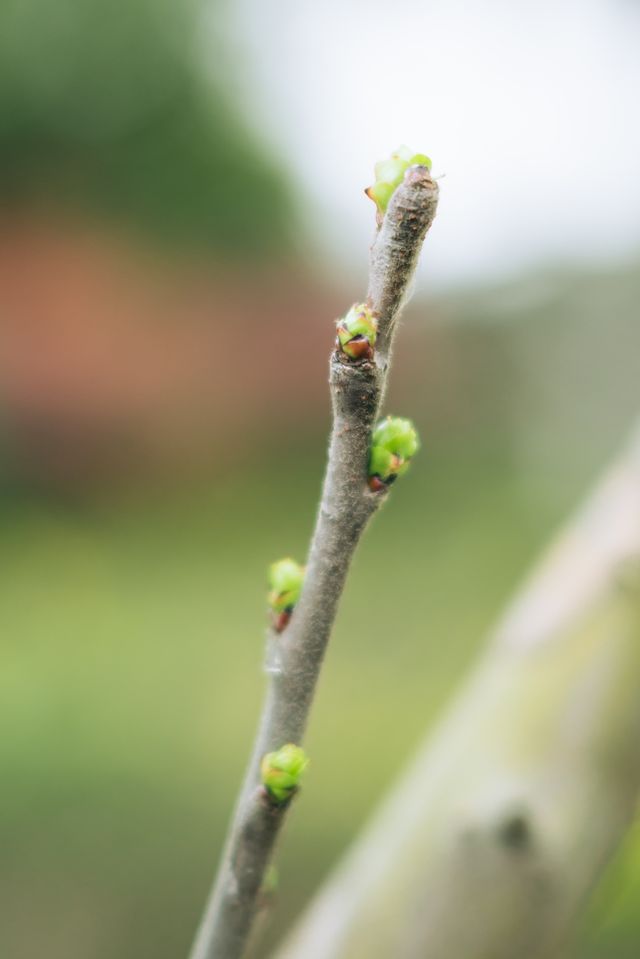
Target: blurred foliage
{"type": "Point", "coordinates": [108, 102]}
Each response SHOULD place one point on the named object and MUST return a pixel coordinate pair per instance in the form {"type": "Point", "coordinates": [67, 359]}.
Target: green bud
{"type": "Point", "coordinates": [285, 584]}
{"type": "Point", "coordinates": [357, 332]}
{"type": "Point", "coordinates": [397, 435]}
{"type": "Point", "coordinates": [381, 462]}
{"type": "Point", "coordinates": [394, 442]}
{"type": "Point", "coordinates": [390, 174]}
{"type": "Point", "coordinates": [282, 770]}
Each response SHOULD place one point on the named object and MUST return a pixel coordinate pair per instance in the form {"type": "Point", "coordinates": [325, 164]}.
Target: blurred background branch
{"type": "Point", "coordinates": [495, 837]}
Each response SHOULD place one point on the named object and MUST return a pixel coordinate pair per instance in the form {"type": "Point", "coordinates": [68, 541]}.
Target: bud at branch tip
{"type": "Point", "coordinates": [390, 174]}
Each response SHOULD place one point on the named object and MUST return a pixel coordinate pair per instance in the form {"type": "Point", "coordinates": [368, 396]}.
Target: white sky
{"type": "Point", "coordinates": [531, 109]}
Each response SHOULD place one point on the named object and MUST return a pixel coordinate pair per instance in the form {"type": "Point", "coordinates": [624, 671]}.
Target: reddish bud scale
{"type": "Point", "coordinates": [280, 621]}
{"type": "Point", "coordinates": [376, 485]}
{"type": "Point", "coordinates": [357, 348]}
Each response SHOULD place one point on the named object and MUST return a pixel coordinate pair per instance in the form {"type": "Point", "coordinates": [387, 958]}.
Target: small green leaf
{"type": "Point", "coordinates": [404, 153]}
{"type": "Point", "coordinates": [391, 171]}
{"type": "Point", "coordinates": [380, 193]}
{"type": "Point", "coordinates": [420, 159]}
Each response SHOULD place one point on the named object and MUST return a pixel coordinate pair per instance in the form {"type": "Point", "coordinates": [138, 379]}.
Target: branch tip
{"type": "Point", "coordinates": [390, 173]}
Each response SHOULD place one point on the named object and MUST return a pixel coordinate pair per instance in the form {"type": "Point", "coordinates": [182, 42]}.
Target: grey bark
{"type": "Point", "coordinates": [489, 846]}
{"type": "Point", "coordinates": [346, 505]}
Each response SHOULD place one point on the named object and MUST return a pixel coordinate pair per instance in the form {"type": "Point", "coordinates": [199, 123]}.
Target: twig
{"type": "Point", "coordinates": [347, 504]}
{"type": "Point", "coordinates": [492, 841]}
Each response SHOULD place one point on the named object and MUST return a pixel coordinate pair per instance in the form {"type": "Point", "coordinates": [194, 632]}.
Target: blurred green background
{"type": "Point", "coordinates": [164, 415]}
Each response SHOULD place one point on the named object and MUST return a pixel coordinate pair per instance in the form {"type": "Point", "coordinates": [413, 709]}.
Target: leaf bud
{"type": "Point", "coordinates": [390, 174]}
{"type": "Point", "coordinates": [282, 770]}
{"type": "Point", "coordinates": [394, 442]}
{"type": "Point", "coordinates": [285, 584]}
{"type": "Point", "coordinates": [357, 332]}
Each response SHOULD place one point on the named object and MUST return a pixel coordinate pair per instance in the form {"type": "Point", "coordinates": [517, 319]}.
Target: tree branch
{"type": "Point", "coordinates": [347, 504]}
{"type": "Point", "coordinates": [491, 843]}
